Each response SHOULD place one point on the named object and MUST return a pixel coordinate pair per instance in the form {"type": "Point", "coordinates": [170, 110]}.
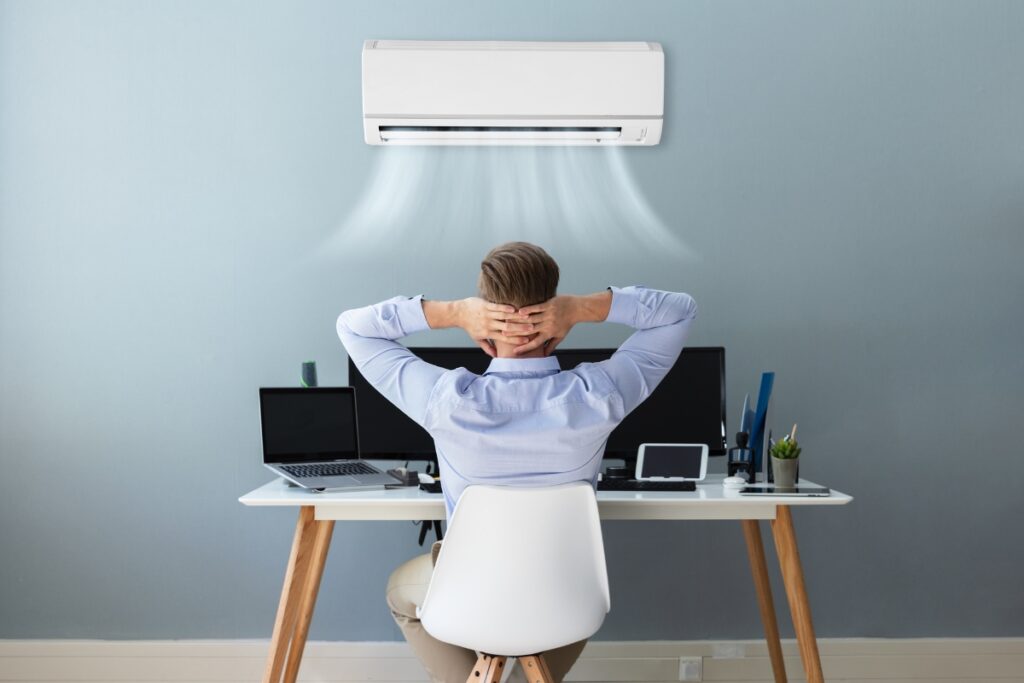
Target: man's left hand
{"type": "Point", "coordinates": [552, 321]}
{"type": "Point", "coordinates": [484, 322]}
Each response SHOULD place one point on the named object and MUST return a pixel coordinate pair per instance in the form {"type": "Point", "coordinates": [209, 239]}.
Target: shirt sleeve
{"type": "Point", "coordinates": [662, 320]}
{"type": "Point", "coordinates": [369, 335]}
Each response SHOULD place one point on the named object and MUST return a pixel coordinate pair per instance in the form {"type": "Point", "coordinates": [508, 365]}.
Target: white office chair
{"type": "Point", "coordinates": [521, 571]}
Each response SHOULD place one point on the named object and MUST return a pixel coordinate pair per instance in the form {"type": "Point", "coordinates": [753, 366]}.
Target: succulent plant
{"type": "Point", "coordinates": [786, 449]}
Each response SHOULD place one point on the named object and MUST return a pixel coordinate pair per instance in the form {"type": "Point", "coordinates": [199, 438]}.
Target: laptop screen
{"type": "Point", "coordinates": [304, 425]}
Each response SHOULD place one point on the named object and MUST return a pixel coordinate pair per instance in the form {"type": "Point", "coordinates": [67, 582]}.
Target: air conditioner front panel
{"type": "Point", "coordinates": [428, 83]}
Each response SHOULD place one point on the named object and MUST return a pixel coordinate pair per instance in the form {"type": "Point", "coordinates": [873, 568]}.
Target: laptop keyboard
{"type": "Point", "coordinates": [638, 485]}
{"type": "Point", "coordinates": [329, 469]}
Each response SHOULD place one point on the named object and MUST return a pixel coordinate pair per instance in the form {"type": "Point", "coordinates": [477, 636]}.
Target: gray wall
{"type": "Point", "coordinates": [848, 176]}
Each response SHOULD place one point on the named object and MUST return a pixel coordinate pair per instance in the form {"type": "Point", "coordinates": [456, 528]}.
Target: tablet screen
{"type": "Point", "coordinates": [673, 461]}
{"type": "Point", "coordinates": [778, 491]}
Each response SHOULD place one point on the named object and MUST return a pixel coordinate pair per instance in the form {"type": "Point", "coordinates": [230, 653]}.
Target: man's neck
{"type": "Point", "coordinates": [503, 351]}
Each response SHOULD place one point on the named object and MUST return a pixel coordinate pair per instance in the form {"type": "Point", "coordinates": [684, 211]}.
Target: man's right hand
{"type": "Point", "coordinates": [484, 322]}
{"type": "Point", "coordinates": [553, 319]}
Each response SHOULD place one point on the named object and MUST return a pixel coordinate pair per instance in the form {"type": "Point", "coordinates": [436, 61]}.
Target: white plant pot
{"type": "Point", "coordinates": [784, 472]}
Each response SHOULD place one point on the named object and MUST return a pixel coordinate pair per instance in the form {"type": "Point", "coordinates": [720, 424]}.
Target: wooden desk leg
{"type": "Point", "coordinates": [758, 567]}
{"type": "Point", "coordinates": [321, 544]}
{"type": "Point", "coordinates": [796, 593]}
{"type": "Point", "coordinates": [288, 607]}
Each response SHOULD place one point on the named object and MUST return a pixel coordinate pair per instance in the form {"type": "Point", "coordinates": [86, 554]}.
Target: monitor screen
{"type": "Point", "coordinates": [687, 407]}
{"type": "Point", "coordinates": [304, 425]}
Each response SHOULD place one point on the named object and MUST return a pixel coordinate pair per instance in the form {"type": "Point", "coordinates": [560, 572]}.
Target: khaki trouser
{"type": "Point", "coordinates": [447, 663]}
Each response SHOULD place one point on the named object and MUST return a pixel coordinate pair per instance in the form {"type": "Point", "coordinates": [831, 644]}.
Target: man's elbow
{"type": "Point", "coordinates": [691, 308]}
{"type": "Point", "coordinates": [344, 325]}
{"type": "Point", "coordinates": [682, 308]}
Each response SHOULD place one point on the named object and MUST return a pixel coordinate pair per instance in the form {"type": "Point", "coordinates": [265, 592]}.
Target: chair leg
{"type": "Point", "coordinates": [488, 669]}
{"type": "Point", "coordinates": [536, 669]}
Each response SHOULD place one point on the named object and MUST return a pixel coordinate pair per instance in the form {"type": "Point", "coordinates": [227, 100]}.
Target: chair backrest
{"type": "Point", "coordinates": [521, 571]}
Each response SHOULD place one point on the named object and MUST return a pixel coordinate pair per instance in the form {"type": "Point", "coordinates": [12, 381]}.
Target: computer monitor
{"type": "Point", "coordinates": [687, 407]}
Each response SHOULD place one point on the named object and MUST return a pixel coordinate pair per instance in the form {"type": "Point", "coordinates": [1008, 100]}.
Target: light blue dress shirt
{"type": "Point", "coordinates": [524, 422]}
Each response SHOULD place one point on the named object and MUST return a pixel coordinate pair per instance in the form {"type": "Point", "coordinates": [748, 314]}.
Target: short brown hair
{"type": "Point", "coordinates": [518, 274]}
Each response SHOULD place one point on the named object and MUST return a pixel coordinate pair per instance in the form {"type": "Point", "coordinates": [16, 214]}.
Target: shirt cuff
{"type": "Point", "coordinates": [624, 304]}
{"type": "Point", "coordinates": [410, 315]}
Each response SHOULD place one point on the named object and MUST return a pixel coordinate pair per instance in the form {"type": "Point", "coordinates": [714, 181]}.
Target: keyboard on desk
{"type": "Point", "coordinates": [330, 469]}
{"type": "Point", "coordinates": [638, 485]}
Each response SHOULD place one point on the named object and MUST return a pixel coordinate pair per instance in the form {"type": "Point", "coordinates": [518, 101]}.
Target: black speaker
{"type": "Point", "coordinates": [308, 378]}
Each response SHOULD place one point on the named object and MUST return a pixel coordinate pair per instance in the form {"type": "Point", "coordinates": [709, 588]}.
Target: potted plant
{"type": "Point", "coordinates": [785, 460]}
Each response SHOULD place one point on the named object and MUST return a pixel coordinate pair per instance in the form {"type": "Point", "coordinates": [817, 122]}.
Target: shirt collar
{"type": "Point", "coordinates": [545, 364]}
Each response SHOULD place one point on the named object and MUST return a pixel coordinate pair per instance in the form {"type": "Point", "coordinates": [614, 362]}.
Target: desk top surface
{"type": "Point", "coordinates": [711, 500]}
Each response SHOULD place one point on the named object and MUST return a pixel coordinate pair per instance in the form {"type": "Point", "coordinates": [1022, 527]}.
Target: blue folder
{"type": "Point", "coordinates": [757, 429]}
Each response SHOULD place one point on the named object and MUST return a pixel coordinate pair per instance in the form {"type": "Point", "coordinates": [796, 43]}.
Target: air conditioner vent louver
{"type": "Point", "coordinates": [502, 93]}
{"type": "Point", "coordinates": [497, 134]}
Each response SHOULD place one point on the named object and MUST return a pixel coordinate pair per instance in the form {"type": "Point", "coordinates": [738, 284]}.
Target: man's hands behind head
{"type": "Point", "coordinates": [542, 325]}
{"type": "Point", "coordinates": [551, 322]}
{"type": "Point", "coordinates": [485, 322]}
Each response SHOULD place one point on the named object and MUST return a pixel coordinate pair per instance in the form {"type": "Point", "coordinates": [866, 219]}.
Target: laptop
{"type": "Point", "coordinates": [311, 440]}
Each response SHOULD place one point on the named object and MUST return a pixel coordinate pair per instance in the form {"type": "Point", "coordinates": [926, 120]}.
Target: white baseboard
{"type": "Point", "coordinates": [855, 660]}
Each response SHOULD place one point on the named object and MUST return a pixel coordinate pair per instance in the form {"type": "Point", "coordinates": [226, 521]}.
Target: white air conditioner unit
{"type": "Point", "coordinates": [512, 93]}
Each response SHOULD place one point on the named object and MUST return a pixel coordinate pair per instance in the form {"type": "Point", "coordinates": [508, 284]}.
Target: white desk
{"type": "Point", "coordinates": [319, 511]}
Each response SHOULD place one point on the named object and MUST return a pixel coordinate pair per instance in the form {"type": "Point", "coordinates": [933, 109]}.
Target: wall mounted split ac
{"type": "Point", "coordinates": [512, 93]}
